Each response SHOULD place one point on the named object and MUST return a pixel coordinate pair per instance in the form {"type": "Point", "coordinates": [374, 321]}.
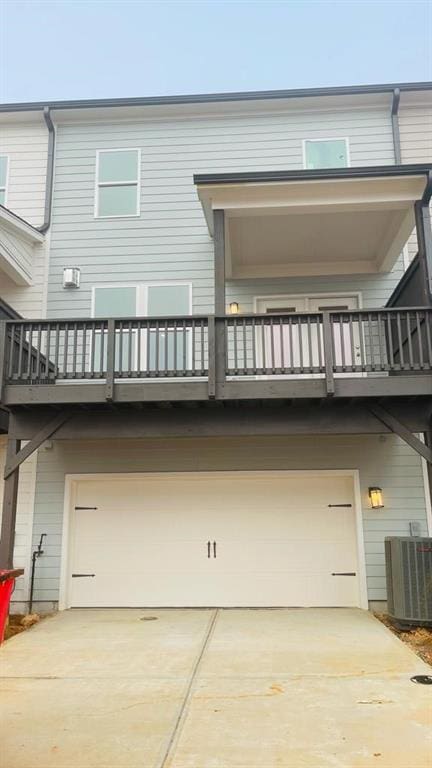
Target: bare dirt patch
{"type": "Point", "coordinates": [418, 638]}
{"type": "Point", "coordinates": [18, 623]}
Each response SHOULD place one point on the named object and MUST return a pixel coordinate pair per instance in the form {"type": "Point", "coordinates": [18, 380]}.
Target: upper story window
{"type": "Point", "coordinates": [3, 178]}
{"type": "Point", "coordinates": [117, 183]}
{"type": "Point", "coordinates": [326, 153]}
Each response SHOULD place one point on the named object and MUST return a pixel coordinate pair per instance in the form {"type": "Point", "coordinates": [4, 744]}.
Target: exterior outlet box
{"type": "Point", "coordinates": [415, 528]}
{"type": "Point", "coordinates": [409, 579]}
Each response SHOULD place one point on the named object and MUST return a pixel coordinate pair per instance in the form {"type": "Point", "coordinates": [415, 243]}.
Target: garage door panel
{"type": "Point", "coordinates": [277, 538]}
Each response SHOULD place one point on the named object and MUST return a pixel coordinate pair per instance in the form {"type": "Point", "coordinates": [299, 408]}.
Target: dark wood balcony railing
{"type": "Point", "coordinates": [345, 341]}
{"type": "Point", "coordinates": [221, 352]}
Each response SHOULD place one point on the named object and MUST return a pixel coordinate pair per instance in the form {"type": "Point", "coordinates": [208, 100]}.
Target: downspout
{"type": "Point", "coordinates": [50, 170]}
{"type": "Point", "coordinates": [395, 126]}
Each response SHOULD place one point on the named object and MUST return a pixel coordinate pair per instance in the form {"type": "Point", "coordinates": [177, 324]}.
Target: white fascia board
{"type": "Point", "coordinates": [20, 227]}
{"type": "Point", "coordinates": [14, 270]}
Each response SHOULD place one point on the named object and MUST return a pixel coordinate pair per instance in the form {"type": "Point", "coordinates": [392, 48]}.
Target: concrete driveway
{"type": "Point", "coordinates": [305, 688]}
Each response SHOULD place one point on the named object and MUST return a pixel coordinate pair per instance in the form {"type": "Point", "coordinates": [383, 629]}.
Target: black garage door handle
{"type": "Point", "coordinates": [344, 574]}
{"type": "Point", "coordinates": [83, 575]}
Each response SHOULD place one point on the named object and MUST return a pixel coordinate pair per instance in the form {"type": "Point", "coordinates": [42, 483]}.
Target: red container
{"type": "Point", "coordinates": [7, 583]}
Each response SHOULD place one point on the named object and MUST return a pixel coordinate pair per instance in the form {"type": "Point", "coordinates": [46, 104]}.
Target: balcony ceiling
{"type": "Point", "coordinates": [299, 226]}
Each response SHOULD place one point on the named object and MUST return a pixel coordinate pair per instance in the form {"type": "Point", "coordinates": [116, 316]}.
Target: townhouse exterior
{"type": "Point", "coordinates": [216, 340]}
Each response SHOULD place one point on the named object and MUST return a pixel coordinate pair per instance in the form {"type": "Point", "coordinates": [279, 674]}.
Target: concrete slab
{"type": "Point", "coordinates": [304, 641]}
{"type": "Point", "coordinates": [86, 722]}
{"type": "Point", "coordinates": [108, 643]}
{"type": "Point", "coordinates": [312, 722]}
{"type": "Point", "coordinates": [299, 688]}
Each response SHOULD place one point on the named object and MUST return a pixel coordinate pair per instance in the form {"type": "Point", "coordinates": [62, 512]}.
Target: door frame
{"type": "Point", "coordinates": [71, 481]}
{"type": "Point", "coordinates": [357, 295]}
{"type": "Point", "coordinates": [311, 295]}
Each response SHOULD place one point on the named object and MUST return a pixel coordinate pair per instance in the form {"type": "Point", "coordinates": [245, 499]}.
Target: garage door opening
{"type": "Point", "coordinates": [222, 539]}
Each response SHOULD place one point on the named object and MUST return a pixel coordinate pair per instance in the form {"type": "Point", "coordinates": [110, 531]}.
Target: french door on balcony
{"type": "Point", "coordinates": [298, 345]}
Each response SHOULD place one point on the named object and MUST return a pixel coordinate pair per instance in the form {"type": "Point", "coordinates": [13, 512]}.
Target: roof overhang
{"type": "Point", "coordinates": [328, 222]}
{"type": "Point", "coordinates": [17, 240]}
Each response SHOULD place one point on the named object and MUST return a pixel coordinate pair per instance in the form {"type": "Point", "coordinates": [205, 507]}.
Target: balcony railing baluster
{"type": "Point", "coordinates": [336, 343]}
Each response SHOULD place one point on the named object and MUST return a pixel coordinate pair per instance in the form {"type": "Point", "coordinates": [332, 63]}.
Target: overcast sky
{"type": "Point", "coordinates": [69, 49]}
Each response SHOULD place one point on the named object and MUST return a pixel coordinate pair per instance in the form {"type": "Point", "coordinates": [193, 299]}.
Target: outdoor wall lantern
{"type": "Point", "coordinates": [71, 277]}
{"type": "Point", "coordinates": [234, 308]}
{"type": "Point", "coordinates": [376, 498]}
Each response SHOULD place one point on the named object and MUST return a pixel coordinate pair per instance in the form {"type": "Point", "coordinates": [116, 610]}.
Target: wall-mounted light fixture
{"type": "Point", "coordinates": [234, 308]}
{"type": "Point", "coordinates": [71, 277]}
{"type": "Point", "coordinates": [376, 498]}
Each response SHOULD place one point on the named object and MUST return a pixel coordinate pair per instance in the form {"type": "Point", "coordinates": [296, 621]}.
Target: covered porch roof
{"type": "Point", "coordinates": [320, 222]}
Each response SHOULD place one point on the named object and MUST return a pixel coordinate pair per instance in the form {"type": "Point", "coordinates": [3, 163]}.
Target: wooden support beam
{"type": "Point", "coordinates": [428, 442]}
{"type": "Point", "coordinates": [219, 261]}
{"type": "Point", "coordinates": [424, 240]}
{"type": "Point", "coordinates": [400, 429]}
{"type": "Point", "coordinates": [2, 354]}
{"type": "Point", "coordinates": [47, 431]}
{"type": "Point", "coordinates": [328, 354]}
{"type": "Point", "coordinates": [10, 495]}
{"type": "Point", "coordinates": [211, 358]}
{"type": "Point", "coordinates": [111, 337]}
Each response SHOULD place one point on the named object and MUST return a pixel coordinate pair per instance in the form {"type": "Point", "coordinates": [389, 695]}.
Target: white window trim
{"type": "Point", "coordinates": [327, 138]}
{"type": "Point", "coordinates": [6, 186]}
{"type": "Point", "coordinates": [118, 184]}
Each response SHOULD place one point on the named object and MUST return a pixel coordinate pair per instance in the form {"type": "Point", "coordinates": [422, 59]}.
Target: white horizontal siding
{"type": "Point", "coordinates": [170, 240]}
{"type": "Point", "coordinates": [20, 253]}
{"type": "Point", "coordinates": [26, 145]}
{"type": "Point", "coordinates": [384, 461]}
{"type": "Point", "coordinates": [29, 301]}
{"type": "Point", "coordinates": [24, 520]}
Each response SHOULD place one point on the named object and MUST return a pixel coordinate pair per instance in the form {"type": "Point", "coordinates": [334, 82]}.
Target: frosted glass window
{"type": "Point", "coordinates": [115, 302]}
{"type": "Point", "coordinates": [171, 349]}
{"type": "Point", "coordinates": [163, 300]}
{"type": "Point", "coordinates": [117, 201]}
{"type": "Point", "coordinates": [118, 166]}
{"type": "Point", "coordinates": [118, 183]}
{"type": "Point", "coordinates": [3, 178]}
{"type": "Point", "coordinates": [329, 153]}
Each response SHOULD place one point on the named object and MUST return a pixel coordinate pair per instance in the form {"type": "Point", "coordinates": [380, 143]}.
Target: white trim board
{"type": "Point", "coordinates": [71, 481]}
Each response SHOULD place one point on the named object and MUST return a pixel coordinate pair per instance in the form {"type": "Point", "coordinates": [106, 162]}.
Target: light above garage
{"type": "Point", "coordinates": [305, 223]}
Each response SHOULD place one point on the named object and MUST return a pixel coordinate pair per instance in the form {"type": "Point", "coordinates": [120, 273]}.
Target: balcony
{"type": "Point", "coordinates": [336, 354]}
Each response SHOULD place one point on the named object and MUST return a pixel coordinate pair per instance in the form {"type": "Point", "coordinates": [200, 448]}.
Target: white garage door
{"type": "Point", "coordinates": [213, 539]}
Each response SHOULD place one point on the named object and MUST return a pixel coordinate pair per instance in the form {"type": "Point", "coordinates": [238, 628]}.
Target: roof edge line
{"type": "Point", "coordinates": [341, 90]}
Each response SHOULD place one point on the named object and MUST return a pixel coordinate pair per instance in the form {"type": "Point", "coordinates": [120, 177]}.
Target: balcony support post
{"type": "Point", "coordinates": [10, 496]}
{"type": "Point", "coordinates": [111, 335]}
{"type": "Point", "coordinates": [424, 240]}
{"type": "Point", "coordinates": [328, 354]}
{"type": "Point", "coordinates": [396, 426]}
{"type": "Point", "coordinates": [2, 355]}
{"type": "Point", "coordinates": [220, 301]}
{"type": "Point", "coordinates": [219, 261]}
{"type": "Point", "coordinates": [47, 431]}
{"type": "Point", "coordinates": [427, 436]}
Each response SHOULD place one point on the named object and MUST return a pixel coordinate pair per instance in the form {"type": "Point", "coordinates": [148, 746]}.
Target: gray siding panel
{"type": "Point", "coordinates": [170, 241]}
{"type": "Point", "coordinates": [384, 461]}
